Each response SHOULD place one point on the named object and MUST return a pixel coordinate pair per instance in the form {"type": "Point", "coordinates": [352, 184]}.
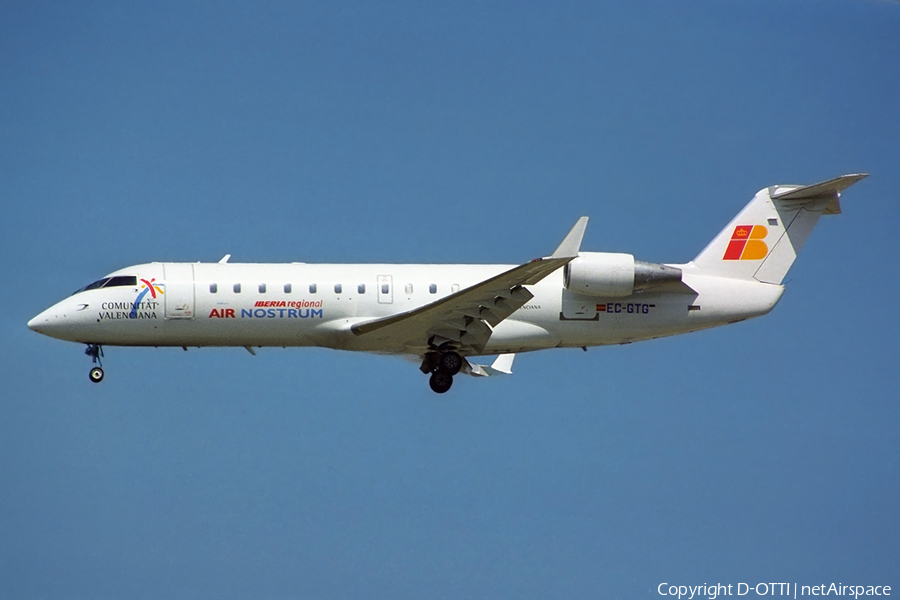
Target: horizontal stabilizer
{"type": "Point", "coordinates": [826, 189]}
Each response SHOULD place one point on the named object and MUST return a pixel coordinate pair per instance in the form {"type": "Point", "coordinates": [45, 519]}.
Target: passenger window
{"type": "Point", "coordinates": [361, 288]}
{"type": "Point", "coordinates": [409, 288]}
{"type": "Point", "coordinates": [237, 288]}
{"type": "Point", "coordinates": [213, 288]}
{"type": "Point", "coordinates": [262, 288]}
{"type": "Point", "coordinates": [312, 288]}
{"type": "Point", "coordinates": [432, 289]}
{"type": "Point", "coordinates": [337, 288]}
{"type": "Point", "coordinates": [287, 288]}
{"type": "Point", "coordinates": [385, 288]}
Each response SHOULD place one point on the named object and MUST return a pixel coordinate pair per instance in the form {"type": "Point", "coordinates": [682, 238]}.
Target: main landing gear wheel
{"type": "Point", "coordinates": [96, 374]}
{"type": "Point", "coordinates": [440, 382]}
{"type": "Point", "coordinates": [450, 363]}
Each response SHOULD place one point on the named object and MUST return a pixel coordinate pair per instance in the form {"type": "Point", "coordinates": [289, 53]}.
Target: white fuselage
{"type": "Point", "coordinates": [225, 304]}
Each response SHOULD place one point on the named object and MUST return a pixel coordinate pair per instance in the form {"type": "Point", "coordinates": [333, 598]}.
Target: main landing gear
{"type": "Point", "coordinates": [95, 351]}
{"type": "Point", "coordinates": [442, 366]}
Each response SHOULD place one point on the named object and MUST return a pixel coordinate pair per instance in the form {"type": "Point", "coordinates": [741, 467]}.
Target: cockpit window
{"type": "Point", "coordinates": [117, 281]}
{"type": "Point", "coordinates": [122, 280]}
{"type": "Point", "coordinates": [93, 286]}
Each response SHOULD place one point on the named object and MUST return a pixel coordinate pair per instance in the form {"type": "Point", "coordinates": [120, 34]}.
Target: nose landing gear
{"type": "Point", "coordinates": [95, 351]}
{"type": "Point", "coordinates": [442, 366]}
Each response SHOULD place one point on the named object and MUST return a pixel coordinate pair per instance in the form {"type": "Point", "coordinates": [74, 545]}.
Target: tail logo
{"type": "Point", "coordinates": [747, 243]}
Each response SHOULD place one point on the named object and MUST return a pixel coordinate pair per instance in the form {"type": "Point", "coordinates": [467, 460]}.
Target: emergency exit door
{"type": "Point", "coordinates": [385, 289]}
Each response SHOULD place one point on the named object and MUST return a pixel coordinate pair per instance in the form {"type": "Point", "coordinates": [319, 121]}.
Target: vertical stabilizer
{"type": "Point", "coordinates": [763, 240]}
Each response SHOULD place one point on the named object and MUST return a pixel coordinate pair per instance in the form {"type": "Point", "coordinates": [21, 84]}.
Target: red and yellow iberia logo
{"type": "Point", "coordinates": [747, 243]}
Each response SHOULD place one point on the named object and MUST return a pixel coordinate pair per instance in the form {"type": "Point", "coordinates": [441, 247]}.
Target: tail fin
{"type": "Point", "coordinates": [763, 240]}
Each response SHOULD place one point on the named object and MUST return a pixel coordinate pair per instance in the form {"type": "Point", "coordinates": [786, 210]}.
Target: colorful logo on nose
{"type": "Point", "coordinates": [747, 243]}
{"type": "Point", "coordinates": [148, 287]}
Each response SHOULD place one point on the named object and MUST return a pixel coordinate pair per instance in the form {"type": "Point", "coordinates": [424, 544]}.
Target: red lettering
{"type": "Point", "coordinates": [214, 314]}
{"type": "Point", "coordinates": [229, 313]}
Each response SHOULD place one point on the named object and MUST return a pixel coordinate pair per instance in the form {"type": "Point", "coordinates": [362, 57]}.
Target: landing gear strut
{"type": "Point", "coordinates": [95, 351]}
{"type": "Point", "coordinates": [442, 366]}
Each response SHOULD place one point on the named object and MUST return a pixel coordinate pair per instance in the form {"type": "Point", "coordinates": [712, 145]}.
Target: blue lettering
{"type": "Point", "coordinates": [281, 313]}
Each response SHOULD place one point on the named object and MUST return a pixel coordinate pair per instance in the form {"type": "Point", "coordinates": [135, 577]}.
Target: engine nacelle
{"type": "Point", "coordinates": [615, 275]}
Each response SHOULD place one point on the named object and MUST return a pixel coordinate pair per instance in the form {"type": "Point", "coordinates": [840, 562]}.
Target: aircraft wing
{"type": "Point", "coordinates": [467, 318]}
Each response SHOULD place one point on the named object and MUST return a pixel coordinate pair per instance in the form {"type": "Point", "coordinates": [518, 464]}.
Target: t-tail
{"type": "Point", "coordinates": [763, 240]}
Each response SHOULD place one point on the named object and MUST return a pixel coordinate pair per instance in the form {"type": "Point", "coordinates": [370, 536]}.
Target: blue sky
{"type": "Point", "coordinates": [467, 132]}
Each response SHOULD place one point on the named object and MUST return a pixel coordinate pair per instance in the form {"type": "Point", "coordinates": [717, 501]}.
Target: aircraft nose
{"type": "Point", "coordinates": [51, 322]}
{"type": "Point", "coordinates": [66, 320]}
{"type": "Point", "coordinates": [41, 322]}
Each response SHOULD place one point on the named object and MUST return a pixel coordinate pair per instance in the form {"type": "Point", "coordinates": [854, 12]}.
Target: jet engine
{"type": "Point", "coordinates": [615, 275]}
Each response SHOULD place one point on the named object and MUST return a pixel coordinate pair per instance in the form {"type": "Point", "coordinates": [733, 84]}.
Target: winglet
{"type": "Point", "coordinates": [225, 259]}
{"type": "Point", "coordinates": [501, 366]}
{"type": "Point", "coordinates": [572, 243]}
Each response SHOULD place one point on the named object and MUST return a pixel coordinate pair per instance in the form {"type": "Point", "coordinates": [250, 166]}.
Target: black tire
{"type": "Point", "coordinates": [450, 363]}
{"type": "Point", "coordinates": [440, 382]}
{"type": "Point", "coordinates": [96, 374]}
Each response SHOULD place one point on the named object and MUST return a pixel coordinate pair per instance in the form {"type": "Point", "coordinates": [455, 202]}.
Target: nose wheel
{"type": "Point", "coordinates": [95, 351]}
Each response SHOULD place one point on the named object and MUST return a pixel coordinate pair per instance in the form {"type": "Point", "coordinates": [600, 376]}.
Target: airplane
{"type": "Point", "coordinates": [445, 316]}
